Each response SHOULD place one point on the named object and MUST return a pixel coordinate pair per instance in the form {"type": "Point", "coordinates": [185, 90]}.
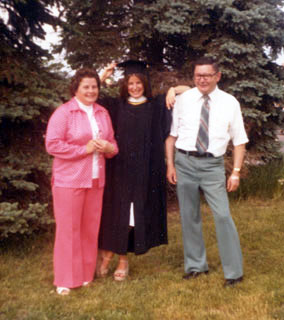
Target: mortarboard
{"type": "Point", "coordinates": [133, 66]}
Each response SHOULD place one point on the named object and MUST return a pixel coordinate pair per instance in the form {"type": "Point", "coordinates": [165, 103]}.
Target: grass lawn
{"type": "Point", "coordinates": [155, 289]}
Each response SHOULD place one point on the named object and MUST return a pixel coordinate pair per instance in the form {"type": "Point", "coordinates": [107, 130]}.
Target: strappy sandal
{"type": "Point", "coordinates": [62, 291]}
{"type": "Point", "coordinates": [102, 272]}
{"type": "Point", "coordinates": [121, 274]}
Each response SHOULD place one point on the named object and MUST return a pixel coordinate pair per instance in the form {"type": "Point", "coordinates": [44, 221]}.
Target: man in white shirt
{"type": "Point", "coordinates": [200, 144]}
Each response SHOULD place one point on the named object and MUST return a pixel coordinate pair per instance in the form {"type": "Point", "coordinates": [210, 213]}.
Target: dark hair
{"type": "Point", "coordinates": [124, 86]}
{"type": "Point", "coordinates": [206, 61]}
{"type": "Point", "coordinates": [79, 75]}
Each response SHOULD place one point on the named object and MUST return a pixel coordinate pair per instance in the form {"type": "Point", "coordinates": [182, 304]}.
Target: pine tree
{"type": "Point", "coordinates": [94, 32]}
{"type": "Point", "coordinates": [28, 91]}
{"type": "Point", "coordinates": [244, 36]}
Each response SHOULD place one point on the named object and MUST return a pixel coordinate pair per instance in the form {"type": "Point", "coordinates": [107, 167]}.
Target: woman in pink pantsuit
{"type": "Point", "coordinates": [79, 136]}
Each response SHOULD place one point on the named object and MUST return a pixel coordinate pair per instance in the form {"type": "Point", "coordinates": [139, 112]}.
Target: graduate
{"type": "Point", "coordinates": [134, 206]}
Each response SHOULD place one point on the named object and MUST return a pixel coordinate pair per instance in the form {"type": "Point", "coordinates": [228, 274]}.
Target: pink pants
{"type": "Point", "coordinates": [77, 215]}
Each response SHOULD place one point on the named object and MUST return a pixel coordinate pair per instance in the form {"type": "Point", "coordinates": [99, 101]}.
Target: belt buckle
{"type": "Point", "coordinates": [208, 155]}
{"type": "Point", "coordinates": [203, 155]}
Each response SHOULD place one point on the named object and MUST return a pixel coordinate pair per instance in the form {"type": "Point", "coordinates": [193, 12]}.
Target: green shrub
{"type": "Point", "coordinates": [264, 181]}
{"type": "Point", "coordinates": [16, 220]}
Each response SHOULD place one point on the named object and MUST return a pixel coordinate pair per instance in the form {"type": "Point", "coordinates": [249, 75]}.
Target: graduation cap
{"type": "Point", "coordinates": [133, 66]}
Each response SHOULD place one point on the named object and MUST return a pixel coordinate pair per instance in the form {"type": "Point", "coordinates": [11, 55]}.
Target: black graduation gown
{"type": "Point", "coordinates": [137, 174]}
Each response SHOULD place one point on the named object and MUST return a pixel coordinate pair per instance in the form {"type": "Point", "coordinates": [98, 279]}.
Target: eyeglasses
{"type": "Point", "coordinates": [204, 76]}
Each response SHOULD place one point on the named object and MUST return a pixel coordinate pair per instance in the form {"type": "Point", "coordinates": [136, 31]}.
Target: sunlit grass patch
{"type": "Point", "coordinates": [155, 289]}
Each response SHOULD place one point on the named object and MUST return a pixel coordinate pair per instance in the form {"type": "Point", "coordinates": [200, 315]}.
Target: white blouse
{"type": "Point", "coordinates": [95, 132]}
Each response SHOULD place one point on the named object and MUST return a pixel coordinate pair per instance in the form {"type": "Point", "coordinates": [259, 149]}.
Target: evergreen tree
{"type": "Point", "coordinates": [28, 90]}
{"type": "Point", "coordinates": [94, 32]}
{"type": "Point", "coordinates": [244, 36]}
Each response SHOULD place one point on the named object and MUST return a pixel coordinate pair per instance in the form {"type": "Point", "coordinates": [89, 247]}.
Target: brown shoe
{"type": "Point", "coordinates": [232, 282]}
{"type": "Point", "coordinates": [194, 274]}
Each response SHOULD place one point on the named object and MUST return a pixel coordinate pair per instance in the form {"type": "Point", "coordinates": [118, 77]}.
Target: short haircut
{"type": "Point", "coordinates": [79, 75]}
{"type": "Point", "coordinates": [124, 86]}
{"type": "Point", "coordinates": [206, 61]}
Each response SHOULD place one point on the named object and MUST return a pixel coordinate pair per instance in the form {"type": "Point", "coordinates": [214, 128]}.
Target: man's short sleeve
{"type": "Point", "coordinates": [237, 128]}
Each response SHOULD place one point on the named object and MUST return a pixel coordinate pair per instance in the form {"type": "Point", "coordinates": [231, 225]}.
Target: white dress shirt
{"type": "Point", "coordinates": [225, 121]}
{"type": "Point", "coordinates": [95, 133]}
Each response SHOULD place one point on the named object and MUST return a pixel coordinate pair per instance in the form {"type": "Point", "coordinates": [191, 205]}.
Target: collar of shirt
{"type": "Point", "coordinates": [139, 100]}
{"type": "Point", "coordinates": [212, 95]}
{"type": "Point", "coordinates": [88, 109]}
{"type": "Point", "coordinates": [75, 106]}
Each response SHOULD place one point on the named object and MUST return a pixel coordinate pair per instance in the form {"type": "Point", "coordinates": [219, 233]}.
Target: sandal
{"type": "Point", "coordinates": [86, 283]}
{"type": "Point", "coordinates": [102, 272]}
{"type": "Point", "coordinates": [63, 291]}
{"type": "Point", "coordinates": [121, 274]}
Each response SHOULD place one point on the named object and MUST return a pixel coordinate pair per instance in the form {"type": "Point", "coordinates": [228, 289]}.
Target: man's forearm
{"type": "Point", "coordinates": [234, 179]}
{"type": "Point", "coordinates": [171, 171]}
{"type": "Point", "coordinates": [238, 154]}
{"type": "Point", "coordinates": [170, 147]}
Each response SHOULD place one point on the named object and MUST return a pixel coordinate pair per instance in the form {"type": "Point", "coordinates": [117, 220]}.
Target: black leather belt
{"type": "Point", "coordinates": [196, 154]}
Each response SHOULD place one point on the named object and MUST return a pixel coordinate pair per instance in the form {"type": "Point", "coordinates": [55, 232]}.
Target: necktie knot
{"type": "Point", "coordinates": [205, 98]}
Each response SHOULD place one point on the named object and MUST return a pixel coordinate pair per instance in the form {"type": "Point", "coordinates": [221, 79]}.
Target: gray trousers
{"type": "Point", "coordinates": [207, 174]}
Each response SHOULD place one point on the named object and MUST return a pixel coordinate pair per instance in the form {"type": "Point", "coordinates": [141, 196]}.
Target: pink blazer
{"type": "Point", "coordinates": [67, 134]}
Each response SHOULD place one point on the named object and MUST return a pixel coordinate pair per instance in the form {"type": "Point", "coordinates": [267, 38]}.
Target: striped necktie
{"type": "Point", "coordinates": [202, 137]}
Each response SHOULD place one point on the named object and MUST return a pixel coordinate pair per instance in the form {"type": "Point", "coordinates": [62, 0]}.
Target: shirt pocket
{"type": "Point", "coordinates": [219, 127]}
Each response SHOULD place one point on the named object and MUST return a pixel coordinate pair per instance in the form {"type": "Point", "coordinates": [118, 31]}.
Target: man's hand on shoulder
{"type": "Point", "coordinates": [171, 95]}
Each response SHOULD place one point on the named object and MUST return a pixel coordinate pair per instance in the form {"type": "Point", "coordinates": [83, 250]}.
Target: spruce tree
{"type": "Point", "coordinates": [28, 91]}
{"type": "Point", "coordinates": [244, 36]}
